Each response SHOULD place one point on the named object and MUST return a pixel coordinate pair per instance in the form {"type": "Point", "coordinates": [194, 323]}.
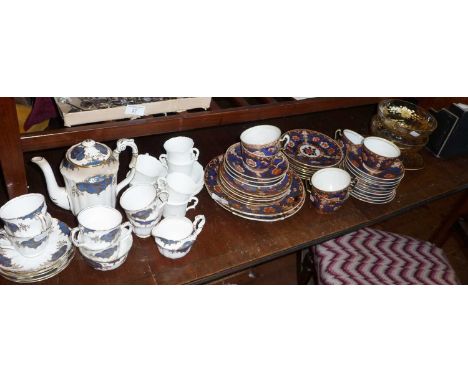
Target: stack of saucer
{"type": "Point", "coordinates": [253, 179]}
{"type": "Point", "coordinates": [33, 246]}
{"type": "Point", "coordinates": [372, 186]}
{"type": "Point", "coordinates": [309, 151]}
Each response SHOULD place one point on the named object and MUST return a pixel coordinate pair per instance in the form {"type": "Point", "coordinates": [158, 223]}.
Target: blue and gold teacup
{"type": "Point", "coordinates": [100, 227]}
{"type": "Point", "coordinates": [26, 246]}
{"type": "Point", "coordinates": [26, 216]}
{"type": "Point", "coordinates": [329, 189]}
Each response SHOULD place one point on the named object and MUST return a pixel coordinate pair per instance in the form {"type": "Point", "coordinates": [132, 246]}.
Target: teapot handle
{"type": "Point", "coordinates": [122, 144]}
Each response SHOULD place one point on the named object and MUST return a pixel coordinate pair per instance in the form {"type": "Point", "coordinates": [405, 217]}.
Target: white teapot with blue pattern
{"type": "Point", "coordinates": [90, 173]}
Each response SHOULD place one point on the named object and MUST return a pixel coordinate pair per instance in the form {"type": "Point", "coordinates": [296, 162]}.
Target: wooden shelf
{"type": "Point", "coordinates": [222, 112]}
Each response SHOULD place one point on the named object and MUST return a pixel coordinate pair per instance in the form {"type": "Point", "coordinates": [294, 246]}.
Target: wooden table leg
{"type": "Point", "coordinates": [11, 153]}
{"type": "Point", "coordinates": [442, 232]}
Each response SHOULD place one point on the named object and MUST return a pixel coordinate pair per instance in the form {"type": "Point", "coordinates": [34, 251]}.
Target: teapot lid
{"type": "Point", "coordinates": [88, 153]}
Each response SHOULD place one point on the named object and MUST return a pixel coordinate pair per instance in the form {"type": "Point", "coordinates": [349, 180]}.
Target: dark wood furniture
{"type": "Point", "coordinates": [229, 244]}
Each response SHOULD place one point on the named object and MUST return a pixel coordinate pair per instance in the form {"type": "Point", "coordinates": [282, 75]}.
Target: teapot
{"type": "Point", "coordinates": [90, 173]}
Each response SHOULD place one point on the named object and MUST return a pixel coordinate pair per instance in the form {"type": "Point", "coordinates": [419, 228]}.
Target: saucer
{"type": "Point", "coordinates": [313, 149]}
{"type": "Point", "coordinates": [259, 191]}
{"type": "Point", "coordinates": [55, 257]}
{"type": "Point", "coordinates": [108, 265]}
{"type": "Point", "coordinates": [235, 162]}
{"type": "Point", "coordinates": [282, 209]}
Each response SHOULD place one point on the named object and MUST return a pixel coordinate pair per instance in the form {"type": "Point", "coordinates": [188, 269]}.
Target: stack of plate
{"type": "Point", "coordinates": [309, 151]}
{"type": "Point", "coordinates": [271, 194]}
{"type": "Point", "coordinates": [376, 187]}
{"type": "Point", "coordinates": [52, 260]}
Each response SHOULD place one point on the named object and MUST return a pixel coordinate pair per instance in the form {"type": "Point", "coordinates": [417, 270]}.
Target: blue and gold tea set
{"type": "Point", "coordinates": [34, 246]}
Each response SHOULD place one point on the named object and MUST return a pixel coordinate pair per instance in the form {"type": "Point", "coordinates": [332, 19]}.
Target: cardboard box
{"type": "Point", "coordinates": [130, 111]}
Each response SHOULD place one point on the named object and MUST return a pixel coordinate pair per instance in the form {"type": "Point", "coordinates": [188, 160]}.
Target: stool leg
{"type": "Point", "coordinates": [442, 232]}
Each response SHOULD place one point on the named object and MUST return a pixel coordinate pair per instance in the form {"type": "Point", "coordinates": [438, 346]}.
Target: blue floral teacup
{"type": "Point", "coordinates": [99, 228]}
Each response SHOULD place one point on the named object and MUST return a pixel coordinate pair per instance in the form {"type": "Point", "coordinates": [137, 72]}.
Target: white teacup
{"type": "Point", "coordinates": [180, 187]}
{"type": "Point", "coordinates": [99, 228]}
{"type": "Point", "coordinates": [143, 205]}
{"type": "Point", "coordinates": [198, 175]}
{"type": "Point", "coordinates": [179, 209]}
{"type": "Point", "coordinates": [176, 236]}
{"type": "Point", "coordinates": [183, 168]}
{"type": "Point", "coordinates": [180, 150]}
{"type": "Point", "coordinates": [27, 247]}
{"type": "Point", "coordinates": [148, 170]}
{"type": "Point", "coordinates": [25, 216]}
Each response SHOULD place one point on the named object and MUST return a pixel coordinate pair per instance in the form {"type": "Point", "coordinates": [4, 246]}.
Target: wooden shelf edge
{"type": "Point", "coordinates": [184, 122]}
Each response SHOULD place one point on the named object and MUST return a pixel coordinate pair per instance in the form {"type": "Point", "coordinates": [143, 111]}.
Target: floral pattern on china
{"type": "Point", "coordinates": [235, 161]}
{"type": "Point", "coordinates": [57, 246]}
{"type": "Point", "coordinates": [279, 210]}
{"type": "Point", "coordinates": [312, 148]}
{"type": "Point", "coordinates": [396, 171]}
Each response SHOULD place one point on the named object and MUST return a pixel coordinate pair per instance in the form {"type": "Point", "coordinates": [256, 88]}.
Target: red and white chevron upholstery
{"type": "Point", "coordinates": [370, 256]}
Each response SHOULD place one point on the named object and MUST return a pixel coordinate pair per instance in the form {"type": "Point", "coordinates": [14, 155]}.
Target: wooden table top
{"type": "Point", "coordinates": [229, 243]}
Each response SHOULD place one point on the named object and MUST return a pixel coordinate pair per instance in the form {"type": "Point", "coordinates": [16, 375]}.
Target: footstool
{"type": "Point", "coordinates": [371, 256]}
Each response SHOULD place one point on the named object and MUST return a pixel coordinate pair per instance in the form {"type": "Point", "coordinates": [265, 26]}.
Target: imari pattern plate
{"type": "Point", "coordinates": [313, 149]}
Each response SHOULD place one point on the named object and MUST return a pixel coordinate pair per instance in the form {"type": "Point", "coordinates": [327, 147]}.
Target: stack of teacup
{"type": "Point", "coordinates": [375, 164]}
{"type": "Point", "coordinates": [33, 245]}
{"type": "Point", "coordinates": [165, 187]}
{"type": "Point", "coordinates": [185, 176]}
{"type": "Point", "coordinates": [102, 238]}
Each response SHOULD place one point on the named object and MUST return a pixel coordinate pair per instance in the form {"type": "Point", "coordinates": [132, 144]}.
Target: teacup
{"type": "Point", "coordinates": [180, 150]}
{"type": "Point", "coordinates": [28, 247]}
{"type": "Point", "coordinates": [184, 168]}
{"type": "Point", "coordinates": [175, 236]}
{"type": "Point", "coordinates": [180, 186]}
{"type": "Point", "coordinates": [263, 140]}
{"type": "Point", "coordinates": [148, 170]}
{"type": "Point", "coordinates": [198, 175]}
{"type": "Point", "coordinates": [379, 153]}
{"type": "Point", "coordinates": [179, 209]}
{"type": "Point", "coordinates": [260, 144]}
{"type": "Point", "coordinates": [349, 139]}
{"type": "Point", "coordinates": [330, 189]}
{"type": "Point", "coordinates": [26, 216]}
{"type": "Point", "coordinates": [109, 258]}
{"type": "Point", "coordinates": [100, 227]}
{"type": "Point", "coordinates": [143, 206]}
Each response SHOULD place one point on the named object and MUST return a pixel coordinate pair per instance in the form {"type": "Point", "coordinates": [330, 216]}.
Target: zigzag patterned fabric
{"type": "Point", "coordinates": [370, 256]}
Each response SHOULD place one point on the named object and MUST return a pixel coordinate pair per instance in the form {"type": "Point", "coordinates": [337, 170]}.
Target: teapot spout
{"type": "Point", "coordinates": [57, 194]}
